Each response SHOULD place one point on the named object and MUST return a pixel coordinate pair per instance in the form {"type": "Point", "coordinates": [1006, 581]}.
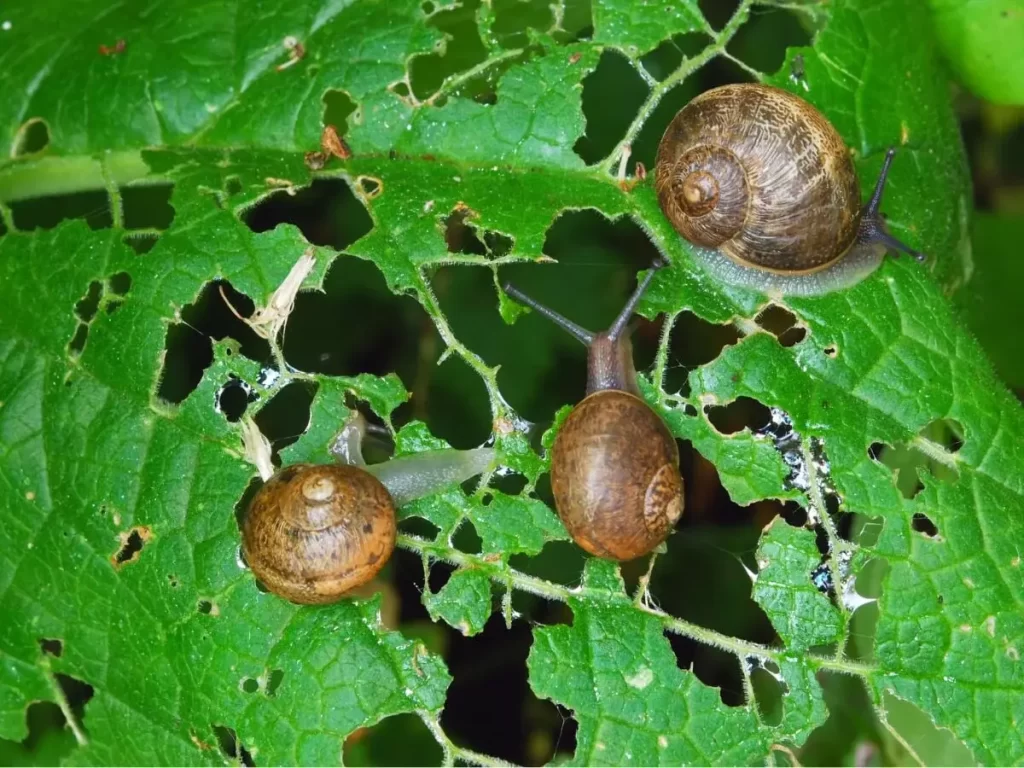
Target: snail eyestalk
{"type": "Point", "coordinates": [577, 331]}
{"type": "Point", "coordinates": [872, 227]}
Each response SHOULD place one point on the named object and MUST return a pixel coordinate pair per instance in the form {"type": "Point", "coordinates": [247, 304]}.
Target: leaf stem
{"type": "Point", "coordinates": [501, 573]}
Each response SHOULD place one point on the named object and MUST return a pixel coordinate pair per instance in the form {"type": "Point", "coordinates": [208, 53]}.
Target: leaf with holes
{"type": "Point", "coordinates": [164, 173]}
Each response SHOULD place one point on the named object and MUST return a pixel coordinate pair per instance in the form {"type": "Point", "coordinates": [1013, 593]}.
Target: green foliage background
{"type": "Point", "coordinates": [846, 587]}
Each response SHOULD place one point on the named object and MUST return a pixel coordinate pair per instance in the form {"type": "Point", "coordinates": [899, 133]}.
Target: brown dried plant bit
{"type": "Point", "coordinates": [296, 52]}
{"type": "Point", "coordinates": [575, 57]}
{"type": "Point", "coordinates": [110, 50]}
{"type": "Point", "coordinates": [268, 321]}
{"type": "Point", "coordinates": [315, 160]}
{"type": "Point", "coordinates": [641, 171]}
{"type": "Point", "coordinates": [286, 184]}
{"type": "Point", "coordinates": [332, 144]}
{"type": "Point", "coordinates": [256, 448]}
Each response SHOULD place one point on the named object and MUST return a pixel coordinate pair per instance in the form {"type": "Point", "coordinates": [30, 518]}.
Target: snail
{"type": "Point", "coordinates": [315, 532]}
{"type": "Point", "coordinates": [763, 184]}
{"type": "Point", "coordinates": [614, 464]}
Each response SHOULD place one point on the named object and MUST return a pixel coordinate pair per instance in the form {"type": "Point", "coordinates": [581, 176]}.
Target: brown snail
{"type": "Point", "coordinates": [614, 464]}
{"type": "Point", "coordinates": [763, 184]}
{"type": "Point", "coordinates": [315, 532]}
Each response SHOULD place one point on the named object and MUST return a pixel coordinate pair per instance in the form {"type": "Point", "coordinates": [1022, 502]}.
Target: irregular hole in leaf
{"type": "Point", "coordinates": [865, 530]}
{"type": "Point", "coordinates": [48, 742]}
{"type": "Point", "coordinates": [189, 350]}
{"type": "Point", "coordinates": [147, 206]}
{"type": "Point", "coordinates": [132, 542]}
{"type": "Point", "coordinates": [120, 283]}
{"type": "Point", "coordinates": [462, 49]}
{"type": "Point", "coordinates": [370, 187]}
{"type": "Point", "coordinates": [512, 19]}
{"type": "Point", "coordinates": [207, 608]}
{"type": "Point", "coordinates": [32, 137]}
{"type": "Point", "coordinates": [560, 562]}
{"type": "Point", "coordinates": [932, 745]}
{"type": "Point", "coordinates": [233, 398]}
{"type": "Point", "coordinates": [440, 572]}
{"type": "Point", "coordinates": [394, 741]}
{"type": "Point", "coordinates": [51, 646]}
{"type": "Point", "coordinates": [77, 343]}
{"type": "Point", "coordinates": [249, 684]}
{"type": "Point", "coordinates": [77, 693]}
{"type": "Point", "coordinates": [768, 693]}
{"type": "Point", "coordinates": [612, 96]}
{"type": "Point", "coordinates": [327, 212]}
{"type": "Point", "coordinates": [909, 465]}
{"type": "Point", "coordinates": [831, 351]}
{"type": "Point", "coordinates": [793, 514]}
{"type": "Point", "coordinates": [461, 236]}
{"type": "Point", "coordinates": [400, 89]}
{"type": "Point", "coordinates": [172, 581]}
{"type": "Point", "coordinates": [718, 12]}
{"type": "Point", "coordinates": [598, 261]}
{"type": "Point", "coordinates": [712, 544]}
{"type": "Point", "coordinates": [743, 413]}
{"type": "Point", "coordinates": [428, 8]}
{"type": "Point", "coordinates": [338, 107]}
{"type": "Point", "coordinates": [782, 324]}
{"type": "Point", "coordinates": [449, 395]}
{"type": "Point", "coordinates": [714, 667]}
{"type": "Point", "coordinates": [466, 539]}
{"type": "Point", "coordinates": [851, 721]}
{"type": "Point", "coordinates": [761, 42]}
{"type": "Point", "coordinates": [274, 681]}
{"type": "Point", "coordinates": [86, 307]}
{"type": "Point", "coordinates": [140, 242]}
{"type": "Point", "coordinates": [418, 526]}
{"type": "Point", "coordinates": [923, 524]}
{"type": "Point", "coordinates": [49, 211]}
{"type": "Point", "coordinates": [230, 745]}
{"type": "Point", "coordinates": [948, 433]}
{"type": "Point", "coordinates": [495, 660]}
{"type": "Point", "coordinates": [577, 22]}
{"type": "Point", "coordinates": [285, 417]}
{"type": "Point", "coordinates": [694, 342]}
{"type": "Point", "coordinates": [670, 54]}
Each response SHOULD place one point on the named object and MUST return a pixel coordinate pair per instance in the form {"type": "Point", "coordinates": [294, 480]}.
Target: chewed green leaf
{"type": "Point", "coordinates": [119, 503]}
{"type": "Point", "coordinates": [464, 602]}
{"type": "Point", "coordinates": [510, 524]}
{"type": "Point", "coordinates": [802, 614]}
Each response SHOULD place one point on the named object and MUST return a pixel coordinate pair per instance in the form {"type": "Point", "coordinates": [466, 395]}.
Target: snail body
{"type": "Point", "coordinates": [315, 532]}
{"type": "Point", "coordinates": [764, 185]}
{"type": "Point", "coordinates": [614, 464]}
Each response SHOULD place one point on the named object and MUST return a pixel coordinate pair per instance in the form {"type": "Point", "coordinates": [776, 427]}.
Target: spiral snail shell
{"type": "Point", "coordinates": [614, 464]}
{"type": "Point", "coordinates": [757, 175]}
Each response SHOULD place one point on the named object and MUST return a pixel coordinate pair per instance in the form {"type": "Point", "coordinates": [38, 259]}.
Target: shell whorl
{"type": "Point", "coordinates": [705, 194]}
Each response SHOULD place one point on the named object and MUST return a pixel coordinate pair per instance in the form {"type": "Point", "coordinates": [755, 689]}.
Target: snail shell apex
{"type": "Point", "coordinates": [314, 532]}
{"type": "Point", "coordinates": [615, 477]}
{"type": "Point", "coordinates": [762, 176]}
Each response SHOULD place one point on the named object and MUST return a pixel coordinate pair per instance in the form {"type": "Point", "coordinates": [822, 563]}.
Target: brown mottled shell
{"type": "Point", "coordinates": [615, 476]}
{"type": "Point", "coordinates": [314, 532]}
{"type": "Point", "coordinates": [760, 175]}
